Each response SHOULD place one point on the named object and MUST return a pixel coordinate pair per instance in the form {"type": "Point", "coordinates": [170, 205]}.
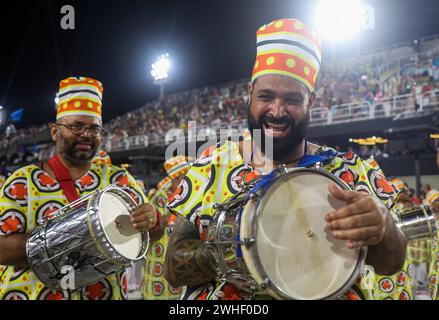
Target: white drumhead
{"type": "Point", "coordinates": [115, 218]}
{"type": "Point", "coordinates": [304, 267]}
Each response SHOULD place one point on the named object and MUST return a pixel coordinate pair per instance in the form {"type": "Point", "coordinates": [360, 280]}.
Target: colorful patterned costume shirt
{"type": "Point", "coordinates": [30, 194]}
{"type": "Point", "coordinates": [155, 286]}
{"type": "Point", "coordinates": [218, 175]}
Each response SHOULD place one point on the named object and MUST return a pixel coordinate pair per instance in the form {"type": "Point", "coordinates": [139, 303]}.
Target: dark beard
{"type": "Point", "coordinates": [70, 153]}
{"type": "Point", "coordinates": [284, 147]}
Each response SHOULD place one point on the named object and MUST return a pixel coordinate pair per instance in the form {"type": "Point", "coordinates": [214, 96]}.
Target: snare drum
{"type": "Point", "coordinates": [271, 238]}
{"type": "Point", "coordinates": [93, 235]}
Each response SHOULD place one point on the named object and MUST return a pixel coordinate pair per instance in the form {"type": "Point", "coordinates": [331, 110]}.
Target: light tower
{"type": "Point", "coordinates": [159, 71]}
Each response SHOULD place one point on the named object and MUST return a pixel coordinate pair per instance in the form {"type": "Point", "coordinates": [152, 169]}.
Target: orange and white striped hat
{"type": "Point", "coordinates": [164, 184]}
{"type": "Point", "coordinates": [288, 47]}
{"type": "Point", "coordinates": [432, 196]}
{"type": "Point", "coordinates": [399, 184]}
{"type": "Point", "coordinates": [80, 96]}
{"type": "Point", "coordinates": [177, 166]}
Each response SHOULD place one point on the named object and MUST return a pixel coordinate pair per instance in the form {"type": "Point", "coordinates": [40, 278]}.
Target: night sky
{"type": "Point", "coordinates": [210, 42]}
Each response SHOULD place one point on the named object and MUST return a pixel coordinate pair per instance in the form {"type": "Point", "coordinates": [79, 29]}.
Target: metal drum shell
{"type": "Point", "coordinates": [240, 275]}
{"type": "Point", "coordinates": [416, 223]}
{"type": "Point", "coordinates": [53, 245]}
{"type": "Point", "coordinates": [223, 231]}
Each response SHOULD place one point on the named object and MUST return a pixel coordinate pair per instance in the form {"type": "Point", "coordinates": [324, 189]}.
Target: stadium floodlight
{"type": "Point", "coordinates": [160, 68]}
{"type": "Point", "coordinates": [338, 20]}
{"type": "Point", "coordinates": [160, 72]}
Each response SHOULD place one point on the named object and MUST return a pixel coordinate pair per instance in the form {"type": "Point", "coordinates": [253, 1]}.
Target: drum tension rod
{"type": "Point", "coordinates": [218, 206]}
{"type": "Point", "coordinates": [245, 241]}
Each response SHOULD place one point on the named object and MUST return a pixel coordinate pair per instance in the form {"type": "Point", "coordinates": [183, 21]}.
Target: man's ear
{"type": "Point", "coordinates": [249, 90]}
{"type": "Point", "coordinates": [54, 131]}
{"type": "Point", "coordinates": [311, 99]}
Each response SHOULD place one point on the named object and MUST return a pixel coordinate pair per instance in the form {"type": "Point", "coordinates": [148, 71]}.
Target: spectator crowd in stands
{"type": "Point", "coordinates": [366, 79]}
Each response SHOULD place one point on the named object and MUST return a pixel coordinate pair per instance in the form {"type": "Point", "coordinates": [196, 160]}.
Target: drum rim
{"type": "Point", "coordinates": [271, 286]}
{"type": "Point", "coordinates": [93, 206]}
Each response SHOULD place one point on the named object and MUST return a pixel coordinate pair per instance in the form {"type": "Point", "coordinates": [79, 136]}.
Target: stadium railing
{"type": "Point", "coordinates": [384, 108]}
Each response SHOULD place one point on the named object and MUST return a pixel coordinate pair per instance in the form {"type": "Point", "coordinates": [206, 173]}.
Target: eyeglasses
{"type": "Point", "coordinates": [78, 129]}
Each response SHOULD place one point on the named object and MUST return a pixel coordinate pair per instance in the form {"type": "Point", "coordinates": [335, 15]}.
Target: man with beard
{"type": "Point", "coordinates": [282, 91]}
{"type": "Point", "coordinates": [36, 191]}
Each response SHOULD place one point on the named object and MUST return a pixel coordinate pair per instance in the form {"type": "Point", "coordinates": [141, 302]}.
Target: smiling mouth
{"type": "Point", "coordinates": [83, 146]}
{"type": "Point", "coordinates": [275, 128]}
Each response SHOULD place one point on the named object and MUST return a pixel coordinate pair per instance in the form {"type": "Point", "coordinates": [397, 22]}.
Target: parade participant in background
{"type": "Point", "coordinates": [282, 92]}
{"type": "Point", "coordinates": [155, 286]}
{"type": "Point", "coordinates": [432, 200]}
{"type": "Point", "coordinates": [35, 191]}
{"type": "Point", "coordinates": [403, 202]}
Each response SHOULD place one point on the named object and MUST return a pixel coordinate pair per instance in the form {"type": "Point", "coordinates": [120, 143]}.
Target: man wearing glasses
{"type": "Point", "coordinates": [36, 191]}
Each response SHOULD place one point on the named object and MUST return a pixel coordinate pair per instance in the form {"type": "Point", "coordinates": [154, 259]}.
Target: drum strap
{"type": "Point", "coordinates": [64, 178]}
{"type": "Point", "coordinates": [310, 160]}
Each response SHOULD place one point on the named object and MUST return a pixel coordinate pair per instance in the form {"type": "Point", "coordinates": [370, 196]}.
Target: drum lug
{"type": "Point", "coordinates": [217, 206]}
{"type": "Point", "coordinates": [248, 241]}
{"type": "Point", "coordinates": [282, 169]}
{"type": "Point", "coordinates": [253, 196]}
{"type": "Point", "coordinates": [264, 285]}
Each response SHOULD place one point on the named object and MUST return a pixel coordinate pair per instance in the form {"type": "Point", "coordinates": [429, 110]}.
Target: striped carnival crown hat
{"type": "Point", "coordinates": [176, 166]}
{"type": "Point", "coordinates": [288, 47]}
{"type": "Point", "coordinates": [432, 196]}
{"type": "Point", "coordinates": [80, 96]}
{"type": "Point", "coordinates": [399, 184]}
{"type": "Point", "coordinates": [164, 184]}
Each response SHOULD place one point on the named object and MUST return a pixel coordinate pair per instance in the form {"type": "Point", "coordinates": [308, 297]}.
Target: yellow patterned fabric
{"type": "Point", "coordinates": [155, 286]}
{"type": "Point", "coordinates": [30, 194]}
{"type": "Point", "coordinates": [102, 157]}
{"type": "Point", "coordinates": [2, 180]}
{"type": "Point", "coordinates": [419, 251]}
{"type": "Point", "coordinates": [218, 175]}
{"type": "Point", "coordinates": [434, 262]}
{"type": "Point", "coordinates": [399, 286]}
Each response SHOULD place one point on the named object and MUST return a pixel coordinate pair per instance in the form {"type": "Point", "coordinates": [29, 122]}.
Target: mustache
{"type": "Point", "coordinates": [84, 141]}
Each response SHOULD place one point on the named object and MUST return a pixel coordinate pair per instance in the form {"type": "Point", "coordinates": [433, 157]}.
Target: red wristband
{"type": "Point", "coordinates": [159, 221]}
